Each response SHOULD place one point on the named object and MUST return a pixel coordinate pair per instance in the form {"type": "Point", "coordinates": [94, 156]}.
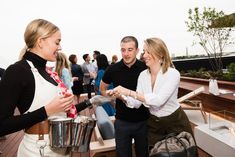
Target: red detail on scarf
{"type": "Point", "coordinates": [64, 91]}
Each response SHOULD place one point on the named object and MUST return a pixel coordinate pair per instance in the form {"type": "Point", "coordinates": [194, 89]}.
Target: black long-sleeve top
{"type": "Point", "coordinates": [76, 71]}
{"type": "Point", "coordinates": [17, 88]}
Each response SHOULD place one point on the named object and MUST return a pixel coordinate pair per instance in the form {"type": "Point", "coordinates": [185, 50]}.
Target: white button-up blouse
{"type": "Point", "coordinates": [162, 99]}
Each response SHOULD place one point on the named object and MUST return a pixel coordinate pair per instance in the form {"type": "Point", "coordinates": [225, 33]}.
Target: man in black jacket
{"type": "Point", "coordinates": [130, 123]}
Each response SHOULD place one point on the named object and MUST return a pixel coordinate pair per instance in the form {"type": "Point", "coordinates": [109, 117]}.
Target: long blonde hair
{"type": "Point", "coordinates": [61, 62]}
{"type": "Point", "coordinates": [38, 28]}
{"type": "Point", "coordinates": [158, 48]}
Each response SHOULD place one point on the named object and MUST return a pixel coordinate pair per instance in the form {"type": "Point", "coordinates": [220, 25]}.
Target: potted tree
{"type": "Point", "coordinates": [214, 40]}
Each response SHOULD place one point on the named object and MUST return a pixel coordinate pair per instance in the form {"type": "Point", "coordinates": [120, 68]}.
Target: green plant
{"type": "Point", "coordinates": [216, 74]}
{"type": "Point", "coordinates": [231, 72]}
{"type": "Point", "coordinates": [202, 73]}
{"type": "Point", "coordinates": [231, 68]}
{"type": "Point", "coordinates": [212, 39]}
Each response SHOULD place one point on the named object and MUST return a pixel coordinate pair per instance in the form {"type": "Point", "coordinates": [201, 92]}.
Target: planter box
{"type": "Point", "coordinates": [222, 84]}
{"type": "Point", "coordinates": [213, 143]}
{"type": "Point", "coordinates": [218, 137]}
{"type": "Point", "coordinates": [215, 137]}
{"type": "Point", "coordinates": [210, 102]}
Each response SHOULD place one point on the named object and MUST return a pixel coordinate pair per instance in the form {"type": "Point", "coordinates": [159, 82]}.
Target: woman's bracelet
{"type": "Point", "coordinates": [136, 95]}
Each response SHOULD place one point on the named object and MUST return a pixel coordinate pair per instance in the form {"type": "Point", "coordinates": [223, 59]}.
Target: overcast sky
{"type": "Point", "coordinates": [88, 25]}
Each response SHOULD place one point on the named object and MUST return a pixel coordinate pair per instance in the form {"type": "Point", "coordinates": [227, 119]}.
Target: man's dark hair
{"type": "Point", "coordinates": [130, 38]}
{"type": "Point", "coordinates": [85, 56]}
{"type": "Point", "coordinates": [96, 52]}
{"type": "Point", "coordinates": [72, 58]}
{"type": "Point", "coordinates": [102, 62]}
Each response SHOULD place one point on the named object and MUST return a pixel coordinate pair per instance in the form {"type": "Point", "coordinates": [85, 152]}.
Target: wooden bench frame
{"type": "Point", "coordinates": [196, 104]}
{"type": "Point", "coordinates": [100, 145]}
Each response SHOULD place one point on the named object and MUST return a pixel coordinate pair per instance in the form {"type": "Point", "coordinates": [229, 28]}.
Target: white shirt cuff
{"type": "Point", "coordinates": [131, 102]}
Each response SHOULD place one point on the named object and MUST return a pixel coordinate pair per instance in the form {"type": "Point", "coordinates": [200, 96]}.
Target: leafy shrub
{"type": "Point", "coordinates": [231, 72]}
{"type": "Point", "coordinates": [202, 73]}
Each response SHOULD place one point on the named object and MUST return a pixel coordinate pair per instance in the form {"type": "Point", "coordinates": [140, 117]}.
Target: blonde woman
{"type": "Point", "coordinates": [157, 89]}
{"type": "Point", "coordinates": [63, 69]}
{"type": "Point", "coordinates": [30, 87]}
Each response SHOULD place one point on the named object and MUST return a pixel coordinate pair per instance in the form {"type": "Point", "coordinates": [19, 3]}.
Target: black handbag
{"type": "Point", "coordinates": [173, 145]}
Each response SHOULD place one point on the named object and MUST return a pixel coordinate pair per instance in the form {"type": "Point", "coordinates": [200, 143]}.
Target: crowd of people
{"type": "Point", "coordinates": [146, 107]}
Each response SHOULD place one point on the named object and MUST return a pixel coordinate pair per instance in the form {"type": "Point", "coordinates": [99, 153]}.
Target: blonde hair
{"type": "Point", "coordinates": [61, 62]}
{"type": "Point", "coordinates": [38, 28]}
{"type": "Point", "coordinates": [157, 48]}
{"type": "Point", "coordinates": [114, 58]}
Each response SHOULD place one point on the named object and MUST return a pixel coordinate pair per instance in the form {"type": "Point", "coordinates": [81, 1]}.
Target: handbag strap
{"type": "Point", "coordinates": [178, 139]}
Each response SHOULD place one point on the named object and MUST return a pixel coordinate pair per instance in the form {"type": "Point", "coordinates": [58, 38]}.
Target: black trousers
{"type": "Point", "coordinates": [125, 132]}
{"type": "Point", "coordinates": [88, 88]}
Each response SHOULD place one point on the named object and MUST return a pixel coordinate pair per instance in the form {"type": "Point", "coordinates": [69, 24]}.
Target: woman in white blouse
{"type": "Point", "coordinates": [157, 89]}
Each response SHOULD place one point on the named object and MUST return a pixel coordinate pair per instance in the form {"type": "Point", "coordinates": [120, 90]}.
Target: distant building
{"type": "Point", "coordinates": [201, 62]}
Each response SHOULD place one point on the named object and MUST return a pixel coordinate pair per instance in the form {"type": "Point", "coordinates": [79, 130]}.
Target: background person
{"type": "Point", "coordinates": [130, 123]}
{"type": "Point", "coordinates": [63, 69]}
{"type": "Point", "coordinates": [114, 59]}
{"type": "Point", "coordinates": [94, 62]}
{"type": "Point", "coordinates": [89, 71]}
{"type": "Point", "coordinates": [103, 64]}
{"type": "Point", "coordinates": [77, 72]}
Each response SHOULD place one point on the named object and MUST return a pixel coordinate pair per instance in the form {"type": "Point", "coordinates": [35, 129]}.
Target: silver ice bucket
{"type": "Point", "coordinates": [60, 133]}
{"type": "Point", "coordinates": [81, 132]}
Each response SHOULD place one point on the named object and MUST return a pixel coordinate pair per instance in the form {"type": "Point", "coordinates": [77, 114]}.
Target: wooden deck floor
{"type": "Point", "coordinates": [9, 146]}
